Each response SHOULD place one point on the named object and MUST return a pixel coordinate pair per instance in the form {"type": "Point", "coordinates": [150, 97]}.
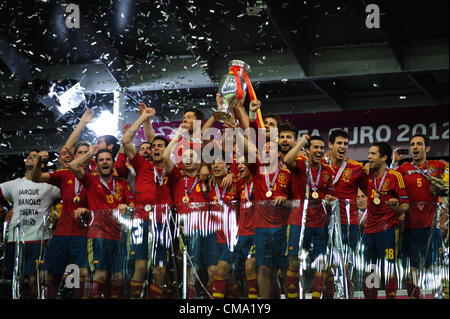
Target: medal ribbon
{"type": "Point", "coordinates": [425, 174]}
{"type": "Point", "coordinates": [339, 173]}
{"type": "Point", "coordinates": [247, 197]}
{"type": "Point", "coordinates": [316, 182]}
{"type": "Point", "coordinates": [377, 190]}
{"type": "Point", "coordinates": [159, 179]}
{"type": "Point", "coordinates": [218, 195]}
{"type": "Point", "coordinates": [192, 186]}
{"type": "Point", "coordinates": [106, 185]}
{"type": "Point", "coordinates": [78, 187]}
{"type": "Point", "coordinates": [266, 176]}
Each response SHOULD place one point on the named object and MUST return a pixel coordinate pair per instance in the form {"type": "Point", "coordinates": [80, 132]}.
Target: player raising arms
{"type": "Point", "coordinates": [69, 237]}
{"type": "Point", "coordinates": [152, 188]}
{"type": "Point", "coordinates": [315, 233]}
{"type": "Point", "coordinates": [190, 198]}
{"type": "Point", "coordinates": [387, 201]}
{"type": "Point", "coordinates": [422, 208]}
{"type": "Point", "coordinates": [105, 193]}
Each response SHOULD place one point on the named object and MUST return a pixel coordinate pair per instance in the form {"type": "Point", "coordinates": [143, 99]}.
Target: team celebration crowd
{"type": "Point", "coordinates": [227, 217]}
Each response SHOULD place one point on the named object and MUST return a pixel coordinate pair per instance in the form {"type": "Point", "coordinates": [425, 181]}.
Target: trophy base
{"type": "Point", "coordinates": [222, 117]}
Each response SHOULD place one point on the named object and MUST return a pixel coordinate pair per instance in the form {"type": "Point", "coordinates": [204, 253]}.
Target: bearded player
{"type": "Point", "coordinates": [106, 194]}
{"type": "Point", "coordinates": [423, 205]}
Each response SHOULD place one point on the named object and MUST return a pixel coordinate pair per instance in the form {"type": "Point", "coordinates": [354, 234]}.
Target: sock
{"type": "Point", "coordinates": [50, 291]}
{"type": "Point", "coordinates": [369, 293]}
{"type": "Point", "coordinates": [391, 288]}
{"type": "Point", "coordinates": [252, 287]}
{"type": "Point", "coordinates": [191, 293]}
{"type": "Point", "coordinates": [317, 285]}
{"type": "Point", "coordinates": [219, 286]}
{"type": "Point", "coordinates": [328, 292]}
{"type": "Point", "coordinates": [114, 290]}
{"type": "Point", "coordinates": [210, 289]}
{"type": "Point", "coordinates": [413, 290]}
{"type": "Point", "coordinates": [97, 287]}
{"type": "Point", "coordinates": [233, 291]}
{"type": "Point", "coordinates": [155, 292]}
{"type": "Point", "coordinates": [292, 278]}
{"type": "Point", "coordinates": [136, 289]}
{"type": "Point", "coordinates": [33, 293]}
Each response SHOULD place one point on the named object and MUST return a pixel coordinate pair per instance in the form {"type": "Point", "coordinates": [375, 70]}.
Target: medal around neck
{"type": "Point", "coordinates": [376, 201]}
{"type": "Point", "coordinates": [315, 195]}
{"type": "Point", "coordinates": [186, 199]}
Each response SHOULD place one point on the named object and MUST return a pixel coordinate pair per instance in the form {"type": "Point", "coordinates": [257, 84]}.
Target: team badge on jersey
{"type": "Point", "coordinates": [347, 174]}
{"type": "Point", "coordinates": [282, 178]}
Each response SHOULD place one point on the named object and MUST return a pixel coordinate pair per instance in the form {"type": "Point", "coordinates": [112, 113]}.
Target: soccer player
{"type": "Point", "coordinates": [31, 204]}
{"type": "Point", "coordinates": [69, 238]}
{"type": "Point", "coordinates": [271, 183]}
{"type": "Point", "coordinates": [192, 201]}
{"type": "Point", "coordinates": [361, 202]}
{"type": "Point", "coordinates": [422, 207]}
{"type": "Point", "coordinates": [152, 189]}
{"type": "Point", "coordinates": [105, 193]}
{"type": "Point", "coordinates": [348, 177]}
{"type": "Point", "coordinates": [315, 233]}
{"type": "Point", "coordinates": [387, 201]}
{"type": "Point", "coordinates": [244, 250]}
{"type": "Point", "coordinates": [221, 200]}
{"type": "Point", "coordinates": [271, 121]}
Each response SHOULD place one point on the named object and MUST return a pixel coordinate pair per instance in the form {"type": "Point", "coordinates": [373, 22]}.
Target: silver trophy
{"type": "Point", "coordinates": [228, 89]}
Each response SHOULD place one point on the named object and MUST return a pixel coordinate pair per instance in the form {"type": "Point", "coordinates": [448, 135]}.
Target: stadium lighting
{"type": "Point", "coordinates": [105, 124]}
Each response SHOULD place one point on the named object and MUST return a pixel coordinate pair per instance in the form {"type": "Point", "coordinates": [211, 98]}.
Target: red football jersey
{"type": "Point", "coordinates": [102, 202]}
{"type": "Point", "coordinates": [225, 213]}
{"type": "Point", "coordinates": [352, 178]}
{"type": "Point", "coordinates": [267, 216]}
{"type": "Point", "coordinates": [422, 202]}
{"type": "Point", "coordinates": [67, 224]}
{"type": "Point", "coordinates": [381, 216]}
{"type": "Point", "coordinates": [147, 191]}
{"type": "Point", "coordinates": [246, 223]}
{"type": "Point", "coordinates": [316, 216]}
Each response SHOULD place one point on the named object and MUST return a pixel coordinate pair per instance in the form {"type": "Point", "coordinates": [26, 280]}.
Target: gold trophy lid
{"type": "Point", "coordinates": [239, 63]}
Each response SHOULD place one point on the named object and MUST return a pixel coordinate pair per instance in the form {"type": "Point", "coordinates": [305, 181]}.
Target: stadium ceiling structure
{"type": "Point", "coordinates": [305, 56]}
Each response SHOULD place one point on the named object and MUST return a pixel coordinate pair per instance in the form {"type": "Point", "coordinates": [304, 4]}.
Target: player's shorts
{"type": "Point", "coordinates": [106, 254]}
{"type": "Point", "coordinates": [161, 242]}
{"type": "Point", "coordinates": [28, 261]}
{"type": "Point", "coordinates": [350, 236]}
{"type": "Point", "coordinates": [318, 237]}
{"type": "Point", "coordinates": [64, 248]}
{"type": "Point", "coordinates": [202, 249]}
{"type": "Point", "coordinates": [381, 245]}
{"type": "Point", "coordinates": [270, 246]}
{"type": "Point", "coordinates": [138, 239]}
{"type": "Point", "coordinates": [416, 241]}
{"type": "Point", "coordinates": [244, 249]}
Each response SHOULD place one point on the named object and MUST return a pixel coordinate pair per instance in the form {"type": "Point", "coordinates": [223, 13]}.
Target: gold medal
{"type": "Point", "coordinates": [76, 199]}
{"type": "Point", "coordinates": [186, 199]}
{"type": "Point", "coordinates": [148, 208]}
{"type": "Point", "coordinates": [376, 201]}
{"type": "Point", "coordinates": [269, 193]}
{"type": "Point", "coordinates": [315, 195]}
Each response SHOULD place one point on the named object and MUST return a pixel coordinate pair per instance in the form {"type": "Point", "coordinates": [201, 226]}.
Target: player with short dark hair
{"type": "Point", "coordinates": [105, 193]}
{"type": "Point", "coordinates": [423, 206]}
{"type": "Point", "coordinates": [320, 175]}
{"type": "Point", "coordinates": [152, 191]}
{"type": "Point", "coordinates": [387, 203]}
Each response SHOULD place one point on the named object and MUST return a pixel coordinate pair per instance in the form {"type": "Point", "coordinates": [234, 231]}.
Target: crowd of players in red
{"type": "Point", "coordinates": [99, 182]}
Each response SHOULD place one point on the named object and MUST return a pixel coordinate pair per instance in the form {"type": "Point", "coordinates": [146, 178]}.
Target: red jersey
{"type": "Point", "coordinates": [225, 213]}
{"type": "Point", "coordinates": [67, 182]}
{"type": "Point", "coordinates": [150, 188]}
{"type": "Point", "coordinates": [316, 216]}
{"type": "Point", "coordinates": [351, 178]}
{"type": "Point", "coordinates": [103, 201]}
{"type": "Point", "coordinates": [246, 223]}
{"type": "Point", "coordinates": [267, 216]}
{"type": "Point", "coordinates": [422, 201]}
{"type": "Point", "coordinates": [381, 216]}
{"type": "Point", "coordinates": [183, 144]}
{"type": "Point", "coordinates": [121, 166]}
